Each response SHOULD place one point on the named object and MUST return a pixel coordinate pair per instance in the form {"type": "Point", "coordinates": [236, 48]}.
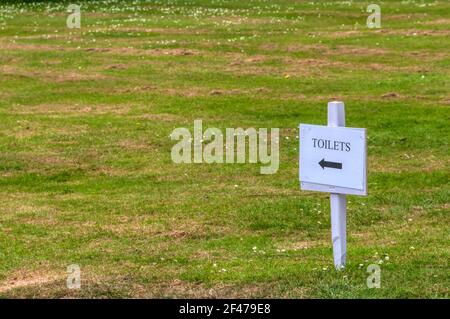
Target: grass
{"type": "Point", "coordinates": [85, 170]}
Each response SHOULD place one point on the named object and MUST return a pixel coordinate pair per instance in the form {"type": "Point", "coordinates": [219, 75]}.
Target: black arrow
{"type": "Point", "coordinates": [324, 164]}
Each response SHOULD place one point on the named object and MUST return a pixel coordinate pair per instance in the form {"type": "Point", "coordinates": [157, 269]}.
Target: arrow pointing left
{"type": "Point", "coordinates": [323, 163]}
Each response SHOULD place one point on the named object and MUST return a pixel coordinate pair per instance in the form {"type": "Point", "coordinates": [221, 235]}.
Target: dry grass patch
{"type": "Point", "coordinates": [309, 66]}
{"type": "Point", "coordinates": [134, 144]}
{"type": "Point", "coordinates": [49, 75]}
{"type": "Point", "coordinates": [37, 162]}
{"type": "Point", "coordinates": [73, 109]}
{"type": "Point", "coordinates": [426, 55]}
{"type": "Point", "coordinates": [414, 32]}
{"type": "Point", "coordinates": [186, 92]}
{"type": "Point", "coordinates": [169, 91]}
{"type": "Point", "coordinates": [14, 46]}
{"type": "Point", "coordinates": [182, 289]}
{"type": "Point", "coordinates": [27, 129]}
{"type": "Point", "coordinates": [146, 52]}
{"type": "Point", "coordinates": [160, 117]}
{"type": "Point", "coordinates": [362, 51]}
{"type": "Point", "coordinates": [30, 279]}
{"type": "Point", "coordinates": [145, 225]}
{"type": "Point", "coordinates": [165, 31]}
{"type": "Point", "coordinates": [442, 21]}
{"type": "Point", "coordinates": [287, 66]}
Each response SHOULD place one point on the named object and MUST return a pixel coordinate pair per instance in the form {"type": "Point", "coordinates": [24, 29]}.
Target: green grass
{"type": "Point", "coordinates": [85, 170]}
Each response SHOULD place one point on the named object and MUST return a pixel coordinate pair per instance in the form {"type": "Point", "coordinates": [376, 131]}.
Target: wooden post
{"type": "Point", "coordinates": [338, 202]}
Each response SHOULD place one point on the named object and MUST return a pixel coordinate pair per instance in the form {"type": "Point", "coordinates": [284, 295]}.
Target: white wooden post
{"type": "Point", "coordinates": [338, 202]}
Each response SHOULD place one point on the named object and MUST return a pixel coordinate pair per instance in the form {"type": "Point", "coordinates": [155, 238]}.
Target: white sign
{"type": "Point", "coordinates": [333, 159]}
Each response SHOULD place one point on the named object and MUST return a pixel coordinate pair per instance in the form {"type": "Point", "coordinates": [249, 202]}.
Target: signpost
{"type": "Point", "coordinates": [333, 159]}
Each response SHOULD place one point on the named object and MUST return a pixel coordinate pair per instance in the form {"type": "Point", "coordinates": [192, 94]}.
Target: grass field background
{"type": "Point", "coordinates": [85, 170]}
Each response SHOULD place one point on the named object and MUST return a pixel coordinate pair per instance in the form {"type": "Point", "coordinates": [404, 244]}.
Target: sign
{"type": "Point", "coordinates": [333, 159]}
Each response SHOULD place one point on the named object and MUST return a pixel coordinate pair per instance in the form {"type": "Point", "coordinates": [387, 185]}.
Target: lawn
{"type": "Point", "coordinates": [86, 175]}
